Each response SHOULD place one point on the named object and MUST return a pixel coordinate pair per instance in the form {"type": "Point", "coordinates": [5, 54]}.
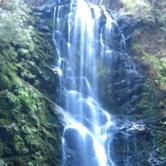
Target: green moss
{"type": "Point", "coordinates": [26, 138]}
{"type": "Point", "coordinates": [10, 53]}
{"type": "Point", "coordinates": [29, 132]}
{"type": "Point", "coordinates": [17, 81]}
{"type": "Point", "coordinates": [8, 68]}
{"type": "Point", "coordinates": [157, 69]}
{"type": "Point", "coordinates": [5, 122]}
{"type": "Point", "coordinates": [23, 51]}
{"type": "Point", "coordinates": [4, 113]}
{"type": "Point", "coordinates": [27, 75]}
{"type": "Point", "coordinates": [7, 151]}
{"type": "Point", "coordinates": [30, 164]}
{"type": "Point", "coordinates": [18, 144]}
{"type": "Point", "coordinates": [5, 82]}
{"type": "Point", "coordinates": [1, 148]}
{"type": "Point", "coordinates": [138, 8]}
{"type": "Point", "coordinates": [2, 163]}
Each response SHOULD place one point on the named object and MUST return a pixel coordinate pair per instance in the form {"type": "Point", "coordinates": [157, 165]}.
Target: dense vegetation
{"type": "Point", "coordinates": [28, 122]}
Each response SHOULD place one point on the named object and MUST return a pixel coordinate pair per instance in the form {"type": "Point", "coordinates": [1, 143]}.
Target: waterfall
{"type": "Point", "coordinates": [83, 36]}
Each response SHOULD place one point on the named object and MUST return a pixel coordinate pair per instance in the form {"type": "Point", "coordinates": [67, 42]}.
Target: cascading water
{"type": "Point", "coordinates": [82, 35]}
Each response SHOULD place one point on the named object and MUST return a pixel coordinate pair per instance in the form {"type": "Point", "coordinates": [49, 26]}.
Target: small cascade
{"type": "Point", "coordinates": [83, 35]}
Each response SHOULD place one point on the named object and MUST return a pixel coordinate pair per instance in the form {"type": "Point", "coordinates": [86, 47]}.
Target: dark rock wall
{"type": "Point", "coordinates": [135, 89]}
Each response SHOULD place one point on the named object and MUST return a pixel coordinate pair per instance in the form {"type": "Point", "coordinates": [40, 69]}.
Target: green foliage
{"type": "Point", "coordinates": [5, 82]}
{"type": "Point", "coordinates": [30, 164]}
{"type": "Point", "coordinates": [2, 163]}
{"type": "Point", "coordinates": [5, 122]}
{"type": "Point", "coordinates": [24, 104]}
{"type": "Point", "coordinates": [18, 144]}
{"type": "Point", "coordinates": [23, 51]}
{"type": "Point", "coordinates": [160, 17]}
{"type": "Point", "coordinates": [157, 69]}
{"type": "Point", "coordinates": [148, 99]}
{"type": "Point", "coordinates": [159, 12]}
{"type": "Point", "coordinates": [9, 53]}
{"type": "Point", "coordinates": [141, 9]}
{"type": "Point", "coordinates": [26, 74]}
{"type": "Point", "coordinates": [136, 6]}
{"type": "Point", "coordinates": [8, 68]}
{"type": "Point", "coordinates": [13, 24]}
{"type": "Point", "coordinates": [9, 99]}
{"type": "Point", "coordinates": [26, 138]}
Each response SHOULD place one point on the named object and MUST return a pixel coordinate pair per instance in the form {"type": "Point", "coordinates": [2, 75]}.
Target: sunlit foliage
{"type": "Point", "coordinates": [137, 6]}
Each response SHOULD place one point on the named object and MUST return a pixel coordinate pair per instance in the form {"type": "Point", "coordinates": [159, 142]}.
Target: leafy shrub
{"type": "Point", "coordinates": [13, 24]}
{"type": "Point", "coordinates": [139, 8]}
{"type": "Point", "coordinates": [5, 82]}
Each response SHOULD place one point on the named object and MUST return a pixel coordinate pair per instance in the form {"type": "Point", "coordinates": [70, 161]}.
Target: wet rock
{"type": "Point", "coordinates": [44, 29]}
{"type": "Point", "coordinates": [115, 5]}
{"type": "Point", "coordinates": [40, 3]}
{"type": "Point", "coordinates": [129, 141]}
{"type": "Point", "coordinates": [63, 2]}
{"type": "Point", "coordinates": [155, 159]}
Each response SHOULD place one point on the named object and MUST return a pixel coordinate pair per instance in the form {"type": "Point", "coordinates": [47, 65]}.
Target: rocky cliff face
{"type": "Point", "coordinates": [137, 95]}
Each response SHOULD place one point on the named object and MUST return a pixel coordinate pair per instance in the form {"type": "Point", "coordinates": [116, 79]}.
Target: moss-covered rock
{"type": "Point", "coordinates": [28, 123]}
